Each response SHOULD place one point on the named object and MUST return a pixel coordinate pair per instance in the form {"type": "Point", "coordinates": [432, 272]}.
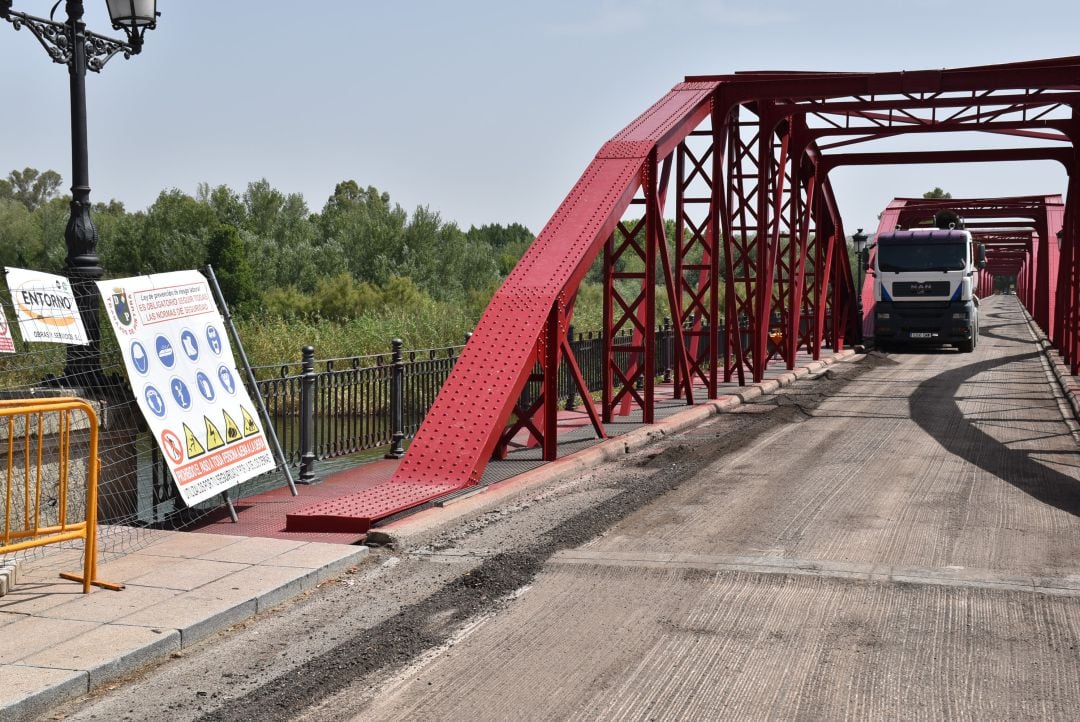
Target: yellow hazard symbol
{"type": "Point", "coordinates": [194, 447]}
{"type": "Point", "coordinates": [250, 427]}
{"type": "Point", "coordinates": [213, 436]}
{"type": "Point", "coordinates": [232, 431]}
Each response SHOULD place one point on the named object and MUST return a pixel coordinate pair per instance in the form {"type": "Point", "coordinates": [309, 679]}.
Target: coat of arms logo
{"type": "Point", "coordinates": [121, 307]}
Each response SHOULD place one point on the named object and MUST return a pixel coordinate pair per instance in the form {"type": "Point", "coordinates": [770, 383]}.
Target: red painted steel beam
{"type": "Point", "coordinates": [973, 99]}
{"type": "Point", "coordinates": [769, 184]}
{"type": "Point", "coordinates": [996, 155]}
{"type": "Point", "coordinates": [1059, 73]}
{"type": "Point", "coordinates": [1021, 128]}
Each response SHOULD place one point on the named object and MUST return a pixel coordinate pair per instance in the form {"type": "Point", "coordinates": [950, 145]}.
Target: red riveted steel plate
{"type": "Point", "coordinates": [457, 437]}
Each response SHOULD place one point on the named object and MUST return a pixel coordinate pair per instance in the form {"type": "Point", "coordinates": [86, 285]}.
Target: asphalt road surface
{"type": "Point", "coordinates": [896, 538]}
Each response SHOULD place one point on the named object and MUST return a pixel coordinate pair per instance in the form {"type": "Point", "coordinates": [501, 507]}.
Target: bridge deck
{"type": "Point", "coordinates": [910, 549]}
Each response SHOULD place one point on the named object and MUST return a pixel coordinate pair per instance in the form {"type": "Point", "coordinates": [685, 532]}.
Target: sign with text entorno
{"type": "Point", "coordinates": [181, 367]}
{"type": "Point", "coordinates": [45, 307]}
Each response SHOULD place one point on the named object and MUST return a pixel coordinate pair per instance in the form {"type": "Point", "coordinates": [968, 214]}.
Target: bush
{"type": "Point", "coordinates": [287, 303]}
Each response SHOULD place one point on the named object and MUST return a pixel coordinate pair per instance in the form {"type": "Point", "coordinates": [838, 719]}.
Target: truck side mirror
{"type": "Point", "coordinates": [982, 255]}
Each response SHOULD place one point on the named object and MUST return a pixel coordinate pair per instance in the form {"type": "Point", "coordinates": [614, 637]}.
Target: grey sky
{"type": "Point", "coordinates": [485, 111]}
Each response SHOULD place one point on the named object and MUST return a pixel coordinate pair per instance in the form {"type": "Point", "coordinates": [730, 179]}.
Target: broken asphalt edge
{"type": "Point", "coordinates": [415, 527]}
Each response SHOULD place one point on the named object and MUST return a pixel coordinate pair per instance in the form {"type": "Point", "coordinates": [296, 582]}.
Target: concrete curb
{"type": "Point", "coordinates": [586, 459]}
{"type": "Point", "coordinates": [34, 704]}
{"type": "Point", "coordinates": [37, 689]}
{"type": "Point", "coordinates": [1068, 384]}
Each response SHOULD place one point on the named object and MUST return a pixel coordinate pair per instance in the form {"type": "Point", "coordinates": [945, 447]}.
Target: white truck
{"type": "Point", "coordinates": [924, 283]}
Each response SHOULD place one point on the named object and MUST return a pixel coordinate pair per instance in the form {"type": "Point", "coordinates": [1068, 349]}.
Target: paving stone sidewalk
{"type": "Point", "coordinates": [57, 643]}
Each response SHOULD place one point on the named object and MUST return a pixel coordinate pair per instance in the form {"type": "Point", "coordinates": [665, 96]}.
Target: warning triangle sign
{"type": "Point", "coordinates": [250, 427]}
{"type": "Point", "coordinates": [213, 436]}
{"type": "Point", "coordinates": [194, 446]}
{"type": "Point", "coordinates": [232, 431]}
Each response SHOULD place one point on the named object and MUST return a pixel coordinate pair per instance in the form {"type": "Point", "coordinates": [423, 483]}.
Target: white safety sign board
{"type": "Point", "coordinates": [181, 367]}
{"type": "Point", "coordinates": [45, 307]}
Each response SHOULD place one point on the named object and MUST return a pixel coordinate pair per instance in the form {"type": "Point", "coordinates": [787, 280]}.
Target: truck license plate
{"type": "Point", "coordinates": [923, 334]}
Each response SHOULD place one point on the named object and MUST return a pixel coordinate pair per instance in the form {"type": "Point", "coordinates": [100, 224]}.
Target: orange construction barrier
{"type": "Point", "coordinates": [36, 484]}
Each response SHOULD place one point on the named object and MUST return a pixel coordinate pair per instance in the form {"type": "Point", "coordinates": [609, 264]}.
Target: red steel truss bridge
{"type": "Point", "coordinates": [742, 163]}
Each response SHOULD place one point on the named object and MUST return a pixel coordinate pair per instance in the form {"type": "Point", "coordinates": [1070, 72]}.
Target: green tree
{"type": "Point", "coordinates": [50, 219]}
{"type": "Point", "coordinates": [31, 187]}
{"type": "Point", "coordinates": [263, 204]}
{"type": "Point", "coordinates": [227, 204]}
{"type": "Point", "coordinates": [936, 193]}
{"type": "Point", "coordinates": [284, 239]}
{"type": "Point", "coordinates": [288, 302]}
{"type": "Point", "coordinates": [21, 245]}
{"type": "Point", "coordinates": [401, 292]}
{"type": "Point", "coordinates": [341, 298]}
{"type": "Point", "coordinates": [369, 230]}
{"type": "Point", "coordinates": [174, 235]}
{"type": "Point", "coordinates": [507, 243]}
{"type": "Point", "coordinates": [227, 252]}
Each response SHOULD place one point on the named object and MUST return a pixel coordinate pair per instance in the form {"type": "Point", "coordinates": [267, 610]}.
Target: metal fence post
{"type": "Point", "coordinates": [669, 351]}
{"type": "Point", "coordinates": [571, 389]}
{"type": "Point", "coordinates": [307, 415]}
{"type": "Point", "coordinates": [397, 423]}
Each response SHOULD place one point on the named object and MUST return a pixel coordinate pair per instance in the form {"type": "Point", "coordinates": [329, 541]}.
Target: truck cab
{"type": "Point", "coordinates": [924, 284]}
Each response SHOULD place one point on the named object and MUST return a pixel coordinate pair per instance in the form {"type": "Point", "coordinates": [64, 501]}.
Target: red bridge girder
{"type": "Point", "coordinates": [759, 253]}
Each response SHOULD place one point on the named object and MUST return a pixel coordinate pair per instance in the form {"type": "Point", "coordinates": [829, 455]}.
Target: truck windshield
{"type": "Point", "coordinates": [908, 257]}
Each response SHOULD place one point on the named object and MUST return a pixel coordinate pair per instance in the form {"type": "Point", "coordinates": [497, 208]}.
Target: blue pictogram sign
{"type": "Point", "coordinates": [154, 401]}
{"type": "Point", "coordinates": [190, 345]}
{"type": "Point", "coordinates": [164, 351]}
{"type": "Point", "coordinates": [213, 339]}
{"type": "Point", "coordinates": [206, 388]}
{"type": "Point", "coordinates": [180, 393]}
{"type": "Point", "coordinates": [226, 378]}
{"type": "Point", "coordinates": [139, 359]}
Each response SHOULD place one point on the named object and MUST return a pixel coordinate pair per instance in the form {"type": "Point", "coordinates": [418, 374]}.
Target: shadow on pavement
{"type": "Point", "coordinates": [934, 408]}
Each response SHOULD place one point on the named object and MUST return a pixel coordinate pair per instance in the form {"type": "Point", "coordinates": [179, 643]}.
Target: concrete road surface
{"type": "Point", "coordinates": [904, 546]}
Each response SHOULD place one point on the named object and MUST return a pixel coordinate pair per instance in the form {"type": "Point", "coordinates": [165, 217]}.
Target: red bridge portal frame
{"type": "Point", "coordinates": [1023, 237]}
{"type": "Point", "coordinates": [742, 162]}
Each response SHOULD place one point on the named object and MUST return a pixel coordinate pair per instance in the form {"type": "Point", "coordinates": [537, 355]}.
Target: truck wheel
{"type": "Point", "coordinates": [966, 346]}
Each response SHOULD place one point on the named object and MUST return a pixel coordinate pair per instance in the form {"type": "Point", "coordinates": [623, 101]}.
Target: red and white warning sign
{"type": "Point", "coordinates": [7, 344]}
{"type": "Point", "coordinates": [170, 443]}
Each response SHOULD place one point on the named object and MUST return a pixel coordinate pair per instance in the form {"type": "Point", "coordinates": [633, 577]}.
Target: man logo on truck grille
{"type": "Point", "coordinates": [921, 288]}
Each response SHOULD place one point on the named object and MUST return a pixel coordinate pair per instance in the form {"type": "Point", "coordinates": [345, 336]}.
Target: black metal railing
{"type": "Point", "coordinates": [336, 407]}
{"type": "Point", "coordinates": [350, 400]}
{"type": "Point", "coordinates": [423, 375]}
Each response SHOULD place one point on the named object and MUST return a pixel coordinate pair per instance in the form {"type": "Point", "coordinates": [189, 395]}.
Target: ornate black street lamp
{"type": "Point", "coordinates": [70, 43]}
